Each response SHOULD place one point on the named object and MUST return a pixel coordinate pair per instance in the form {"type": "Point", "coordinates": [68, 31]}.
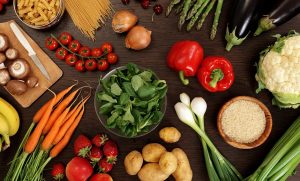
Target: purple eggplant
{"type": "Point", "coordinates": [245, 15]}
{"type": "Point", "coordinates": [280, 12]}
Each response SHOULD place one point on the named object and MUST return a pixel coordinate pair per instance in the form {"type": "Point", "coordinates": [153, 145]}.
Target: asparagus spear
{"type": "Point", "coordinates": [194, 9]}
{"type": "Point", "coordinates": [216, 20]}
{"type": "Point", "coordinates": [196, 16]}
{"type": "Point", "coordinates": [184, 13]}
{"type": "Point", "coordinates": [171, 5]}
{"type": "Point", "coordinates": [207, 10]}
{"type": "Point", "coordinates": [179, 8]}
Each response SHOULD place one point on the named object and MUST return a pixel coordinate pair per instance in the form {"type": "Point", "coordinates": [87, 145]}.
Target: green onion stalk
{"type": "Point", "coordinates": [283, 158]}
{"type": "Point", "coordinates": [192, 114]}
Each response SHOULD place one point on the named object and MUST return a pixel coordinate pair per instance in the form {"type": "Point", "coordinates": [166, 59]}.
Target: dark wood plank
{"type": "Point", "coordinates": [164, 35]}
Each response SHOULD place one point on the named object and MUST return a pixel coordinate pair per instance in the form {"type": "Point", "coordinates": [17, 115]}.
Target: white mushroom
{"type": "Point", "coordinates": [19, 69]}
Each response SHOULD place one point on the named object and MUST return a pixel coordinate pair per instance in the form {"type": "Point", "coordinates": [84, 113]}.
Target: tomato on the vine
{"type": "Point", "coordinates": [102, 65]}
{"type": "Point", "coordinates": [96, 52]}
{"type": "Point", "coordinates": [65, 38]}
{"type": "Point", "coordinates": [84, 51]}
{"type": "Point", "coordinates": [61, 53]}
{"type": "Point", "coordinates": [71, 59]}
{"type": "Point", "coordinates": [51, 43]}
{"type": "Point", "coordinates": [4, 1]}
{"type": "Point", "coordinates": [79, 66]}
{"type": "Point", "coordinates": [112, 58]}
{"type": "Point", "coordinates": [106, 47]}
{"type": "Point", "coordinates": [90, 64]}
{"type": "Point", "coordinates": [74, 46]}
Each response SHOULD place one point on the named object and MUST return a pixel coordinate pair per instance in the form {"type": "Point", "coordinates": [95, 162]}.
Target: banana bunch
{"type": "Point", "coordinates": [9, 123]}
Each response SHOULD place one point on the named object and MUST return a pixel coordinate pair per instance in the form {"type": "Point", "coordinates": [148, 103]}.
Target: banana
{"type": "Point", "coordinates": [11, 116]}
{"type": "Point", "coordinates": [4, 129]}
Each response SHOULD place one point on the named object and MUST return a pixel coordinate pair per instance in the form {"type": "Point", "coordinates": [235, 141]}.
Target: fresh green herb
{"type": "Point", "coordinates": [132, 100]}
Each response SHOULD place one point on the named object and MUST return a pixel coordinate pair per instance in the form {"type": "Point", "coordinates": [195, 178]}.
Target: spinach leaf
{"type": "Point", "coordinates": [128, 89]}
{"type": "Point", "coordinates": [128, 116]}
{"type": "Point", "coordinates": [111, 121]}
{"type": "Point", "coordinates": [106, 108]}
{"type": "Point", "coordinates": [115, 89]}
{"type": "Point", "coordinates": [104, 86]}
{"type": "Point", "coordinates": [124, 98]}
{"type": "Point", "coordinates": [146, 75]}
{"type": "Point", "coordinates": [121, 75]}
{"type": "Point", "coordinates": [133, 68]}
{"type": "Point", "coordinates": [136, 82]}
{"type": "Point", "coordinates": [105, 97]}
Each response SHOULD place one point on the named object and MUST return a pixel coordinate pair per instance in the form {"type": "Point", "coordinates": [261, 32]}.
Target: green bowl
{"type": "Point", "coordinates": [103, 118]}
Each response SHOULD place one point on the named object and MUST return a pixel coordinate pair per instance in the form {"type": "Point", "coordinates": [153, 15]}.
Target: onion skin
{"type": "Point", "coordinates": [138, 38]}
{"type": "Point", "coordinates": [123, 21]}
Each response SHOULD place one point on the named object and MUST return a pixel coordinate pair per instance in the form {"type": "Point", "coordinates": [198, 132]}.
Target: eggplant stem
{"type": "Point", "coordinates": [264, 24]}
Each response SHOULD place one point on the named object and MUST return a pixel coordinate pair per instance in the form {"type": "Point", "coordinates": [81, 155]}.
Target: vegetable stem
{"type": "Point", "coordinates": [216, 20]}
{"type": "Point", "coordinates": [183, 79]}
{"type": "Point", "coordinates": [184, 12]}
{"type": "Point", "coordinates": [196, 16]}
{"type": "Point", "coordinates": [194, 9]}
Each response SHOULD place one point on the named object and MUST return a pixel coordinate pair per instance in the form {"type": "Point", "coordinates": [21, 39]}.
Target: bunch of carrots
{"type": "Point", "coordinates": [49, 133]}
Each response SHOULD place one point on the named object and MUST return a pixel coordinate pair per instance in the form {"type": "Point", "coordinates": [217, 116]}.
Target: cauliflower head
{"type": "Point", "coordinates": [279, 70]}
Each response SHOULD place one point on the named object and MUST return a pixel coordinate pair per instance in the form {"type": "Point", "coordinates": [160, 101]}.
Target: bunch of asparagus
{"type": "Point", "coordinates": [191, 10]}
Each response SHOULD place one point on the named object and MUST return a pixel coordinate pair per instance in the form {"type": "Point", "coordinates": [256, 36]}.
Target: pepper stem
{"type": "Point", "coordinates": [216, 76]}
{"type": "Point", "coordinates": [183, 79]}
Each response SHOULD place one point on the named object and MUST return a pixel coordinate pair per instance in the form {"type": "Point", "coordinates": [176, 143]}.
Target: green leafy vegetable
{"type": "Point", "coordinates": [132, 100]}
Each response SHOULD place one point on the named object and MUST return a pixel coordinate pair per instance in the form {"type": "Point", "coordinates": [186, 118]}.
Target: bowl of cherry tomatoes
{"type": "Point", "coordinates": [82, 58]}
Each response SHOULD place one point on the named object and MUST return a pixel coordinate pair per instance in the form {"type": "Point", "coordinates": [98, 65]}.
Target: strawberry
{"type": "Point", "coordinates": [99, 139]}
{"type": "Point", "coordinates": [110, 150]}
{"type": "Point", "coordinates": [95, 154]}
{"type": "Point", "coordinates": [104, 165]}
{"type": "Point", "coordinates": [58, 171]}
{"type": "Point", "coordinates": [82, 146]}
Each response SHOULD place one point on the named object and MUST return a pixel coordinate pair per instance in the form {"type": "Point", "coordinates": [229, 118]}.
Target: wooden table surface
{"type": "Point", "coordinates": [164, 35]}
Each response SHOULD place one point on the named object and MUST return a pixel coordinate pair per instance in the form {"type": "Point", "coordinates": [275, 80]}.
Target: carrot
{"type": "Point", "coordinates": [35, 136]}
{"type": "Point", "coordinates": [69, 122]}
{"type": "Point", "coordinates": [60, 108]}
{"type": "Point", "coordinates": [47, 143]}
{"type": "Point", "coordinates": [62, 143]}
{"type": "Point", "coordinates": [38, 115]}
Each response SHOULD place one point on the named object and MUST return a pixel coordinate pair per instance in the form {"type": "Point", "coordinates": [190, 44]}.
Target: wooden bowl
{"type": "Point", "coordinates": [255, 143]}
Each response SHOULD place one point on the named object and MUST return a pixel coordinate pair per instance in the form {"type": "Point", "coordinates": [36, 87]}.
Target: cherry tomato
{"type": "Point", "coordinates": [74, 46]}
{"type": "Point", "coordinates": [84, 51]}
{"type": "Point", "coordinates": [71, 59]}
{"type": "Point", "coordinates": [51, 44]}
{"type": "Point", "coordinates": [106, 47]}
{"type": "Point", "coordinates": [65, 38]}
{"type": "Point", "coordinates": [96, 52]}
{"type": "Point", "coordinates": [102, 65]}
{"type": "Point", "coordinates": [4, 1]}
{"type": "Point", "coordinates": [112, 58]}
{"type": "Point", "coordinates": [79, 66]}
{"type": "Point", "coordinates": [61, 53]}
{"type": "Point", "coordinates": [90, 64]}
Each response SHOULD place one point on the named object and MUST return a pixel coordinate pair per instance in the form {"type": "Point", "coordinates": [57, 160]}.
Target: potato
{"type": "Point", "coordinates": [133, 162]}
{"type": "Point", "coordinates": [152, 152]}
{"type": "Point", "coordinates": [183, 171]}
{"type": "Point", "coordinates": [169, 134]}
{"type": "Point", "coordinates": [168, 163]}
{"type": "Point", "coordinates": [152, 172]}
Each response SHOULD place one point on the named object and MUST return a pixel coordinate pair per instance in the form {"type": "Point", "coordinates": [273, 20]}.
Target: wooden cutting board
{"type": "Point", "coordinates": [32, 94]}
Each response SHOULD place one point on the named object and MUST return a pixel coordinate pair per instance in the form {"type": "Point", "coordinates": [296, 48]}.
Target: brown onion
{"type": "Point", "coordinates": [123, 21]}
{"type": "Point", "coordinates": [138, 38]}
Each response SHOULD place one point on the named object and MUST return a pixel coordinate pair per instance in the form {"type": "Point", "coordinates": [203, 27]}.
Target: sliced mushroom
{"type": "Point", "coordinates": [19, 69]}
{"type": "Point", "coordinates": [3, 42]}
{"type": "Point", "coordinates": [32, 81]}
{"type": "Point", "coordinates": [4, 76]}
{"type": "Point", "coordinates": [2, 57]}
{"type": "Point", "coordinates": [16, 87]}
{"type": "Point", "coordinates": [11, 53]}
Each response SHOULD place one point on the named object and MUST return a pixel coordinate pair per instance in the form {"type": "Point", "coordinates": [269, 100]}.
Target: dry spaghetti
{"type": "Point", "coordinates": [88, 15]}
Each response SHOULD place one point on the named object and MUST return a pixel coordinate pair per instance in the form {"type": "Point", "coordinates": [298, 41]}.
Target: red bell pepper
{"type": "Point", "coordinates": [216, 74]}
{"type": "Point", "coordinates": [185, 57]}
